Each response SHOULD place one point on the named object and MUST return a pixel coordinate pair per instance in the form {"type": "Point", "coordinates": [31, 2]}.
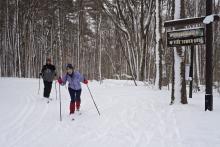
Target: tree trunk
{"type": "Point", "coordinates": [179, 60]}
{"type": "Point", "coordinates": [100, 48]}
{"type": "Point", "coordinates": [158, 51]}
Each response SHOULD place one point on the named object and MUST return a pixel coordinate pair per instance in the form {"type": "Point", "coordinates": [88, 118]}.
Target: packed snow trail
{"type": "Point", "coordinates": [130, 116]}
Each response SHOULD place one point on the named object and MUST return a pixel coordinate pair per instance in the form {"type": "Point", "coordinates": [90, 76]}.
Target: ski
{"type": "Point", "coordinates": [79, 113]}
{"type": "Point", "coordinates": [48, 100]}
{"type": "Point", "coordinates": [72, 117]}
{"type": "Point", "coordinates": [172, 102]}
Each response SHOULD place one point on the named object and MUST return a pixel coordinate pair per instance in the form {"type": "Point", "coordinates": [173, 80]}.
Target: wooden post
{"type": "Point", "coordinates": [209, 70]}
{"type": "Point", "coordinates": [191, 72]}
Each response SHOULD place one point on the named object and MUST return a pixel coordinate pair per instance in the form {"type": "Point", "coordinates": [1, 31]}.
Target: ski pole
{"type": "Point", "coordinates": [60, 103]}
{"type": "Point", "coordinates": [39, 86]}
{"type": "Point", "coordinates": [93, 99]}
{"type": "Point", "coordinates": [56, 89]}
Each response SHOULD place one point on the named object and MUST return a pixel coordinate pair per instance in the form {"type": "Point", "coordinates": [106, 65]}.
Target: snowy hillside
{"type": "Point", "coordinates": [130, 117]}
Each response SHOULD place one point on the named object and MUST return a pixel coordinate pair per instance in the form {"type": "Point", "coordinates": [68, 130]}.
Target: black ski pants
{"type": "Point", "coordinates": [75, 95]}
{"type": "Point", "coordinates": [47, 88]}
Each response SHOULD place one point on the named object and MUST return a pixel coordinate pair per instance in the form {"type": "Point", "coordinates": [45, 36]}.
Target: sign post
{"type": "Point", "coordinates": [192, 39]}
{"type": "Point", "coordinates": [187, 37]}
{"type": "Point", "coordinates": [209, 70]}
{"type": "Point", "coordinates": [191, 72]}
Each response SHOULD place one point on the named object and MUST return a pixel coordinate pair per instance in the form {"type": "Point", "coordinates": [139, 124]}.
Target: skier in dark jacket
{"type": "Point", "coordinates": [73, 78]}
{"type": "Point", "coordinates": [48, 74]}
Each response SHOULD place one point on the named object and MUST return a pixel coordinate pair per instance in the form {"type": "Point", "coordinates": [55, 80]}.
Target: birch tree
{"type": "Point", "coordinates": [100, 48]}
{"type": "Point", "coordinates": [179, 61]}
{"type": "Point", "coordinates": [158, 52]}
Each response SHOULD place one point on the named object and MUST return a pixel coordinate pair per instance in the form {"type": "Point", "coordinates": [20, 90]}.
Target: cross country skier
{"type": "Point", "coordinates": [48, 74]}
{"type": "Point", "coordinates": [74, 78]}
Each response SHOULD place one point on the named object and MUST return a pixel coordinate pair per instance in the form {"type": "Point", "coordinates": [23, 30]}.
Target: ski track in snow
{"type": "Point", "coordinates": [24, 119]}
{"type": "Point", "coordinates": [165, 134]}
{"type": "Point", "coordinates": [130, 116]}
{"type": "Point", "coordinates": [22, 123]}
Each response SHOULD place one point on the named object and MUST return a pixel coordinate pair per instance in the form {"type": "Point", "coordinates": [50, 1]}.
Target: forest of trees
{"type": "Point", "coordinates": [115, 39]}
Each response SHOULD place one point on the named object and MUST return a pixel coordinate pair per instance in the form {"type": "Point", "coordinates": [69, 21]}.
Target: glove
{"type": "Point", "coordinates": [60, 81]}
{"type": "Point", "coordinates": [85, 81]}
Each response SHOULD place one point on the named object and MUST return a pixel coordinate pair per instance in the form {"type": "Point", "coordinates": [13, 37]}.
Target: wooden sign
{"type": "Point", "coordinates": [185, 37]}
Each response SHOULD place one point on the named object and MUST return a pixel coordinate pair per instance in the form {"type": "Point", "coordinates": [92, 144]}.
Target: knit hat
{"type": "Point", "coordinates": [48, 59]}
{"type": "Point", "coordinates": [70, 66]}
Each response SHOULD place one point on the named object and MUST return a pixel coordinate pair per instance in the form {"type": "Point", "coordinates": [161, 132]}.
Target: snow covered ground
{"type": "Point", "coordinates": [130, 117]}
